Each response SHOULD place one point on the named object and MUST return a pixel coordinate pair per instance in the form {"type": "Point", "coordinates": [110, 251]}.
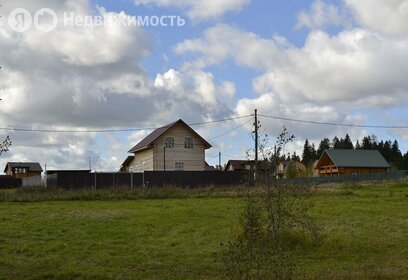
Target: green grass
{"type": "Point", "coordinates": [365, 236]}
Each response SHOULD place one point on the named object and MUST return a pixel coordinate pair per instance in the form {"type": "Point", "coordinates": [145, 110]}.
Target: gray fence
{"type": "Point", "coordinates": [191, 179]}
{"type": "Point", "coordinates": [97, 181]}
{"type": "Point", "coordinates": [37, 181]}
{"type": "Point", "coordinates": [8, 182]}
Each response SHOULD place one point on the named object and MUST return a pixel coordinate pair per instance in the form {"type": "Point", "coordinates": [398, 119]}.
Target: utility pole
{"type": "Point", "coordinates": [219, 160]}
{"type": "Point", "coordinates": [256, 145]}
{"type": "Point", "coordinates": [256, 136]}
{"type": "Point", "coordinates": [90, 163]}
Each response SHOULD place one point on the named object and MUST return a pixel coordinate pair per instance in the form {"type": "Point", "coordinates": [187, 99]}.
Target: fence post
{"type": "Point", "coordinates": [131, 181]}
{"type": "Point", "coordinates": [95, 181]}
{"type": "Point", "coordinates": [113, 183]}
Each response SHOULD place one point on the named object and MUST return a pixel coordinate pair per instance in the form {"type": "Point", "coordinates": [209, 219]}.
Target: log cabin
{"type": "Point", "coordinates": [22, 170]}
{"type": "Point", "coordinates": [174, 147]}
{"type": "Point", "coordinates": [338, 162]}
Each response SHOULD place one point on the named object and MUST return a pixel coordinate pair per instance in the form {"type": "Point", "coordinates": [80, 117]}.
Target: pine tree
{"type": "Point", "coordinates": [347, 143]}
{"type": "Point", "coordinates": [368, 143]}
{"type": "Point", "coordinates": [308, 154]}
{"type": "Point", "coordinates": [336, 144]}
{"type": "Point", "coordinates": [358, 146]}
{"type": "Point", "coordinates": [314, 152]}
{"type": "Point", "coordinates": [396, 154]}
{"type": "Point", "coordinates": [295, 157]}
{"type": "Point", "coordinates": [324, 145]}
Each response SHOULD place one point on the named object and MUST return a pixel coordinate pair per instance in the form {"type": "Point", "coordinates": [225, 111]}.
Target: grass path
{"type": "Point", "coordinates": [365, 237]}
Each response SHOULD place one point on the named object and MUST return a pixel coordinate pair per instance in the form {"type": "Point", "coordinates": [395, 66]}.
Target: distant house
{"type": "Point", "coordinates": [238, 165]}
{"type": "Point", "coordinates": [241, 165]}
{"type": "Point", "coordinates": [21, 170]}
{"type": "Point", "coordinates": [284, 168]}
{"type": "Point", "coordinates": [338, 162]}
{"type": "Point", "coordinates": [126, 164]}
{"type": "Point", "coordinates": [174, 147]}
{"type": "Point", "coordinates": [209, 167]}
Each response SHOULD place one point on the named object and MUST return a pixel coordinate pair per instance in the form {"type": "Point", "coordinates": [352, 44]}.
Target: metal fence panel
{"type": "Point", "coordinates": [36, 181]}
{"type": "Point", "coordinates": [191, 179]}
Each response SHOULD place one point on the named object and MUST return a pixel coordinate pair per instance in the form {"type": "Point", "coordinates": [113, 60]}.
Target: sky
{"type": "Point", "coordinates": [339, 61]}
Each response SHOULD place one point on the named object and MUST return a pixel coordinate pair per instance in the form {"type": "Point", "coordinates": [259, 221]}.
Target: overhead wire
{"type": "Point", "coordinates": [231, 130]}
{"type": "Point", "coordinates": [335, 124]}
{"type": "Point", "coordinates": [113, 130]}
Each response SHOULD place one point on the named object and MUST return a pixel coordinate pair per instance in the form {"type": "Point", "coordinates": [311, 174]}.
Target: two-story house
{"type": "Point", "coordinates": [21, 170]}
{"type": "Point", "coordinates": [174, 147]}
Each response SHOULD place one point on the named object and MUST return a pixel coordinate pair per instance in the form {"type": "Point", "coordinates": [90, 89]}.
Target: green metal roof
{"type": "Point", "coordinates": [358, 158]}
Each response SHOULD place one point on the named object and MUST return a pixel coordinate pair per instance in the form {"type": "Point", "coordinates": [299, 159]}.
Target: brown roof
{"type": "Point", "coordinates": [241, 164]}
{"type": "Point", "coordinates": [32, 166]}
{"type": "Point", "coordinates": [149, 140]}
{"type": "Point", "coordinates": [236, 164]}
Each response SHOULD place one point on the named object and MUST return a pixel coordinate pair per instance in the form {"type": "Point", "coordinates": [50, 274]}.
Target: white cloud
{"type": "Point", "coordinates": [330, 78]}
{"type": "Point", "coordinates": [223, 42]}
{"type": "Point", "coordinates": [195, 86]}
{"type": "Point", "coordinates": [198, 10]}
{"type": "Point", "coordinates": [76, 77]}
{"type": "Point", "coordinates": [322, 15]}
{"type": "Point", "coordinates": [352, 66]}
{"type": "Point", "coordinates": [389, 17]}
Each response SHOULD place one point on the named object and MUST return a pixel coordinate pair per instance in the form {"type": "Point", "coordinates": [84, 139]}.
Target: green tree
{"type": "Point", "coordinates": [358, 146]}
{"type": "Point", "coordinates": [347, 143]}
{"type": "Point", "coordinates": [309, 153]}
{"type": "Point", "coordinates": [336, 144]}
{"type": "Point", "coordinates": [274, 217]}
{"type": "Point", "coordinates": [292, 171]}
{"type": "Point", "coordinates": [5, 146]}
{"type": "Point", "coordinates": [324, 145]}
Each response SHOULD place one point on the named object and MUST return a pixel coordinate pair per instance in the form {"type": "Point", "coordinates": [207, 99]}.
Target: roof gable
{"type": "Point", "coordinates": [152, 137]}
{"type": "Point", "coordinates": [236, 164]}
{"type": "Point", "coordinates": [32, 166]}
{"type": "Point", "coordinates": [356, 158]}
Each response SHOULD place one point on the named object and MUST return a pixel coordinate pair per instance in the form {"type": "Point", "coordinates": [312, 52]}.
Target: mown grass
{"type": "Point", "coordinates": [365, 235]}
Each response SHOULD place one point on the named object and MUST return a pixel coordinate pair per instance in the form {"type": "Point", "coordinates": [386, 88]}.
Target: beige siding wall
{"type": "Point", "coordinates": [143, 161]}
{"type": "Point", "coordinates": [193, 159]}
{"type": "Point", "coordinates": [8, 171]}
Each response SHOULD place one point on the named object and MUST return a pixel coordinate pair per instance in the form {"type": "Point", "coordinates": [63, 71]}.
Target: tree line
{"type": "Point", "coordinates": [389, 149]}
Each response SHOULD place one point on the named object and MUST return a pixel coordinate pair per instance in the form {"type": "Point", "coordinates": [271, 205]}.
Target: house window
{"type": "Point", "coordinates": [169, 142]}
{"type": "Point", "coordinates": [179, 166]}
{"type": "Point", "coordinates": [20, 170]}
{"type": "Point", "coordinates": [354, 173]}
{"type": "Point", "coordinates": [188, 143]}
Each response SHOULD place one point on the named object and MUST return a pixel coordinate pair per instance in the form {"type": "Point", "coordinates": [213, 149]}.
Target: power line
{"type": "Point", "coordinates": [231, 130]}
{"type": "Point", "coordinates": [219, 121]}
{"type": "Point", "coordinates": [336, 124]}
{"type": "Point", "coordinates": [113, 130]}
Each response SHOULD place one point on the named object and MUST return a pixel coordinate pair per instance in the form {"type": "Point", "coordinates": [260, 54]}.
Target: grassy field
{"type": "Point", "coordinates": [365, 237]}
